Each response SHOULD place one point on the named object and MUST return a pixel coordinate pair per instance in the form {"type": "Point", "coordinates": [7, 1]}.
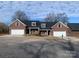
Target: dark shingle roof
{"type": "Point", "coordinates": [74, 26]}
{"type": "Point", "coordinates": [29, 23]}
{"type": "Point", "coordinates": [38, 24]}
{"type": "Point", "coordinates": [48, 25]}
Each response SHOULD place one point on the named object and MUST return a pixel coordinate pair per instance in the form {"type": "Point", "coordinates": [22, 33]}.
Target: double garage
{"type": "Point", "coordinates": [17, 31]}
{"type": "Point", "coordinates": [59, 33]}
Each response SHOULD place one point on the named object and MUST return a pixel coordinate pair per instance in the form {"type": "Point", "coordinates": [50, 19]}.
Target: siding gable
{"type": "Point", "coordinates": [17, 24]}
{"type": "Point", "coordinates": [16, 21]}
{"type": "Point", "coordinates": [60, 24]}
{"type": "Point", "coordinates": [60, 27]}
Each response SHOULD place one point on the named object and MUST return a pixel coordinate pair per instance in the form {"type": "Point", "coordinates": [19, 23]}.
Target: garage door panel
{"type": "Point", "coordinates": [59, 33]}
{"type": "Point", "coordinates": [17, 32]}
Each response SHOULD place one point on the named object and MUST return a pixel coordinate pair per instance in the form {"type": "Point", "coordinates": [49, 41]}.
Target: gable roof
{"type": "Point", "coordinates": [19, 21]}
{"type": "Point", "coordinates": [61, 23]}
{"type": "Point", "coordinates": [73, 26]}
{"type": "Point", "coordinates": [38, 24]}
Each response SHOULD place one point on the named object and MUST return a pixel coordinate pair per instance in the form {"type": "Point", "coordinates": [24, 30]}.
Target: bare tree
{"type": "Point", "coordinates": [52, 17]}
{"type": "Point", "coordinates": [62, 17]}
{"type": "Point", "coordinates": [3, 28]}
{"type": "Point", "coordinates": [19, 15]}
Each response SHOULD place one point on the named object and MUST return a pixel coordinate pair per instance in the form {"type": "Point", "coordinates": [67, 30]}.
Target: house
{"type": "Point", "coordinates": [43, 28]}
{"type": "Point", "coordinates": [17, 28]}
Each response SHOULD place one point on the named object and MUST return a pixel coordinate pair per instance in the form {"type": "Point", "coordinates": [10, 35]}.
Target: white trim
{"type": "Point", "coordinates": [61, 23]}
{"type": "Point", "coordinates": [43, 25]}
{"type": "Point", "coordinates": [32, 23]}
{"type": "Point", "coordinates": [34, 28]}
{"type": "Point", "coordinates": [44, 29]}
{"type": "Point", "coordinates": [19, 21]}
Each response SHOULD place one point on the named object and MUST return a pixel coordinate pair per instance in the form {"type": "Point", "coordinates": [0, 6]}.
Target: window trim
{"type": "Point", "coordinates": [43, 25]}
{"type": "Point", "coordinates": [33, 23]}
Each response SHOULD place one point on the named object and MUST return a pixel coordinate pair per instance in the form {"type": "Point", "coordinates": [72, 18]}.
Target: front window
{"type": "Point", "coordinates": [17, 24]}
{"type": "Point", "coordinates": [43, 25]}
{"type": "Point", "coordinates": [60, 26]}
{"type": "Point", "coordinates": [33, 23]}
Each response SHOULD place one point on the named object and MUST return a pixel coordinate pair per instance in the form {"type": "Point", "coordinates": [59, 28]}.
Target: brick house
{"type": "Point", "coordinates": [43, 28]}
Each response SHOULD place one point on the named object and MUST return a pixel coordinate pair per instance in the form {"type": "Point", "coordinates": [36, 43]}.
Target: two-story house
{"type": "Point", "coordinates": [43, 28]}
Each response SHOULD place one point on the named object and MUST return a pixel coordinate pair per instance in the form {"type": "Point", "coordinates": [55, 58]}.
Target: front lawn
{"type": "Point", "coordinates": [49, 38]}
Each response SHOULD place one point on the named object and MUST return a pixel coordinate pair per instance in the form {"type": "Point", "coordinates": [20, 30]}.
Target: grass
{"type": "Point", "coordinates": [38, 37]}
{"type": "Point", "coordinates": [49, 38]}
{"type": "Point", "coordinates": [1, 34]}
{"type": "Point", "coordinates": [34, 37]}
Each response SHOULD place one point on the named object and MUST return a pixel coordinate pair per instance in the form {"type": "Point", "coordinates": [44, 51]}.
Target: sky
{"type": "Point", "coordinates": [38, 10]}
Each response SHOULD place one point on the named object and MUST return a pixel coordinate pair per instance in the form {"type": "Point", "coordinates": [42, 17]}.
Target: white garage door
{"type": "Point", "coordinates": [17, 32]}
{"type": "Point", "coordinates": [59, 33]}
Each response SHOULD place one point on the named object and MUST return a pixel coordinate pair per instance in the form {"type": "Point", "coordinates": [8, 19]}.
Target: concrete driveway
{"type": "Point", "coordinates": [22, 47]}
{"type": "Point", "coordinates": [73, 38]}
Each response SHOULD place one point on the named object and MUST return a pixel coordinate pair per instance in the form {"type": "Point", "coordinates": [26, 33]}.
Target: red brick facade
{"type": "Point", "coordinates": [60, 27]}
{"type": "Point", "coordinates": [17, 25]}
{"type": "Point", "coordinates": [56, 27]}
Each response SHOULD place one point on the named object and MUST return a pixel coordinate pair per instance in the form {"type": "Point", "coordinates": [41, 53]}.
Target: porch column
{"type": "Point", "coordinates": [47, 32]}
{"type": "Point", "coordinates": [38, 30]}
{"type": "Point", "coordinates": [29, 31]}
{"type": "Point", "coordinates": [51, 32]}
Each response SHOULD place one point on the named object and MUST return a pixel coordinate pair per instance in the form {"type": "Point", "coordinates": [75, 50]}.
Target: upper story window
{"type": "Point", "coordinates": [33, 23]}
{"type": "Point", "coordinates": [43, 25]}
{"type": "Point", "coordinates": [59, 26]}
{"type": "Point", "coordinates": [17, 24]}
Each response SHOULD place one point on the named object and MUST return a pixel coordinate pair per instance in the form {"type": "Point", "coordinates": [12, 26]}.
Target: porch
{"type": "Point", "coordinates": [38, 31]}
{"type": "Point", "coordinates": [33, 31]}
{"type": "Point", "coordinates": [44, 31]}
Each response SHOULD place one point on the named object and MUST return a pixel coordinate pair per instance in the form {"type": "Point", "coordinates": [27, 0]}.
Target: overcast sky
{"type": "Point", "coordinates": [39, 10]}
